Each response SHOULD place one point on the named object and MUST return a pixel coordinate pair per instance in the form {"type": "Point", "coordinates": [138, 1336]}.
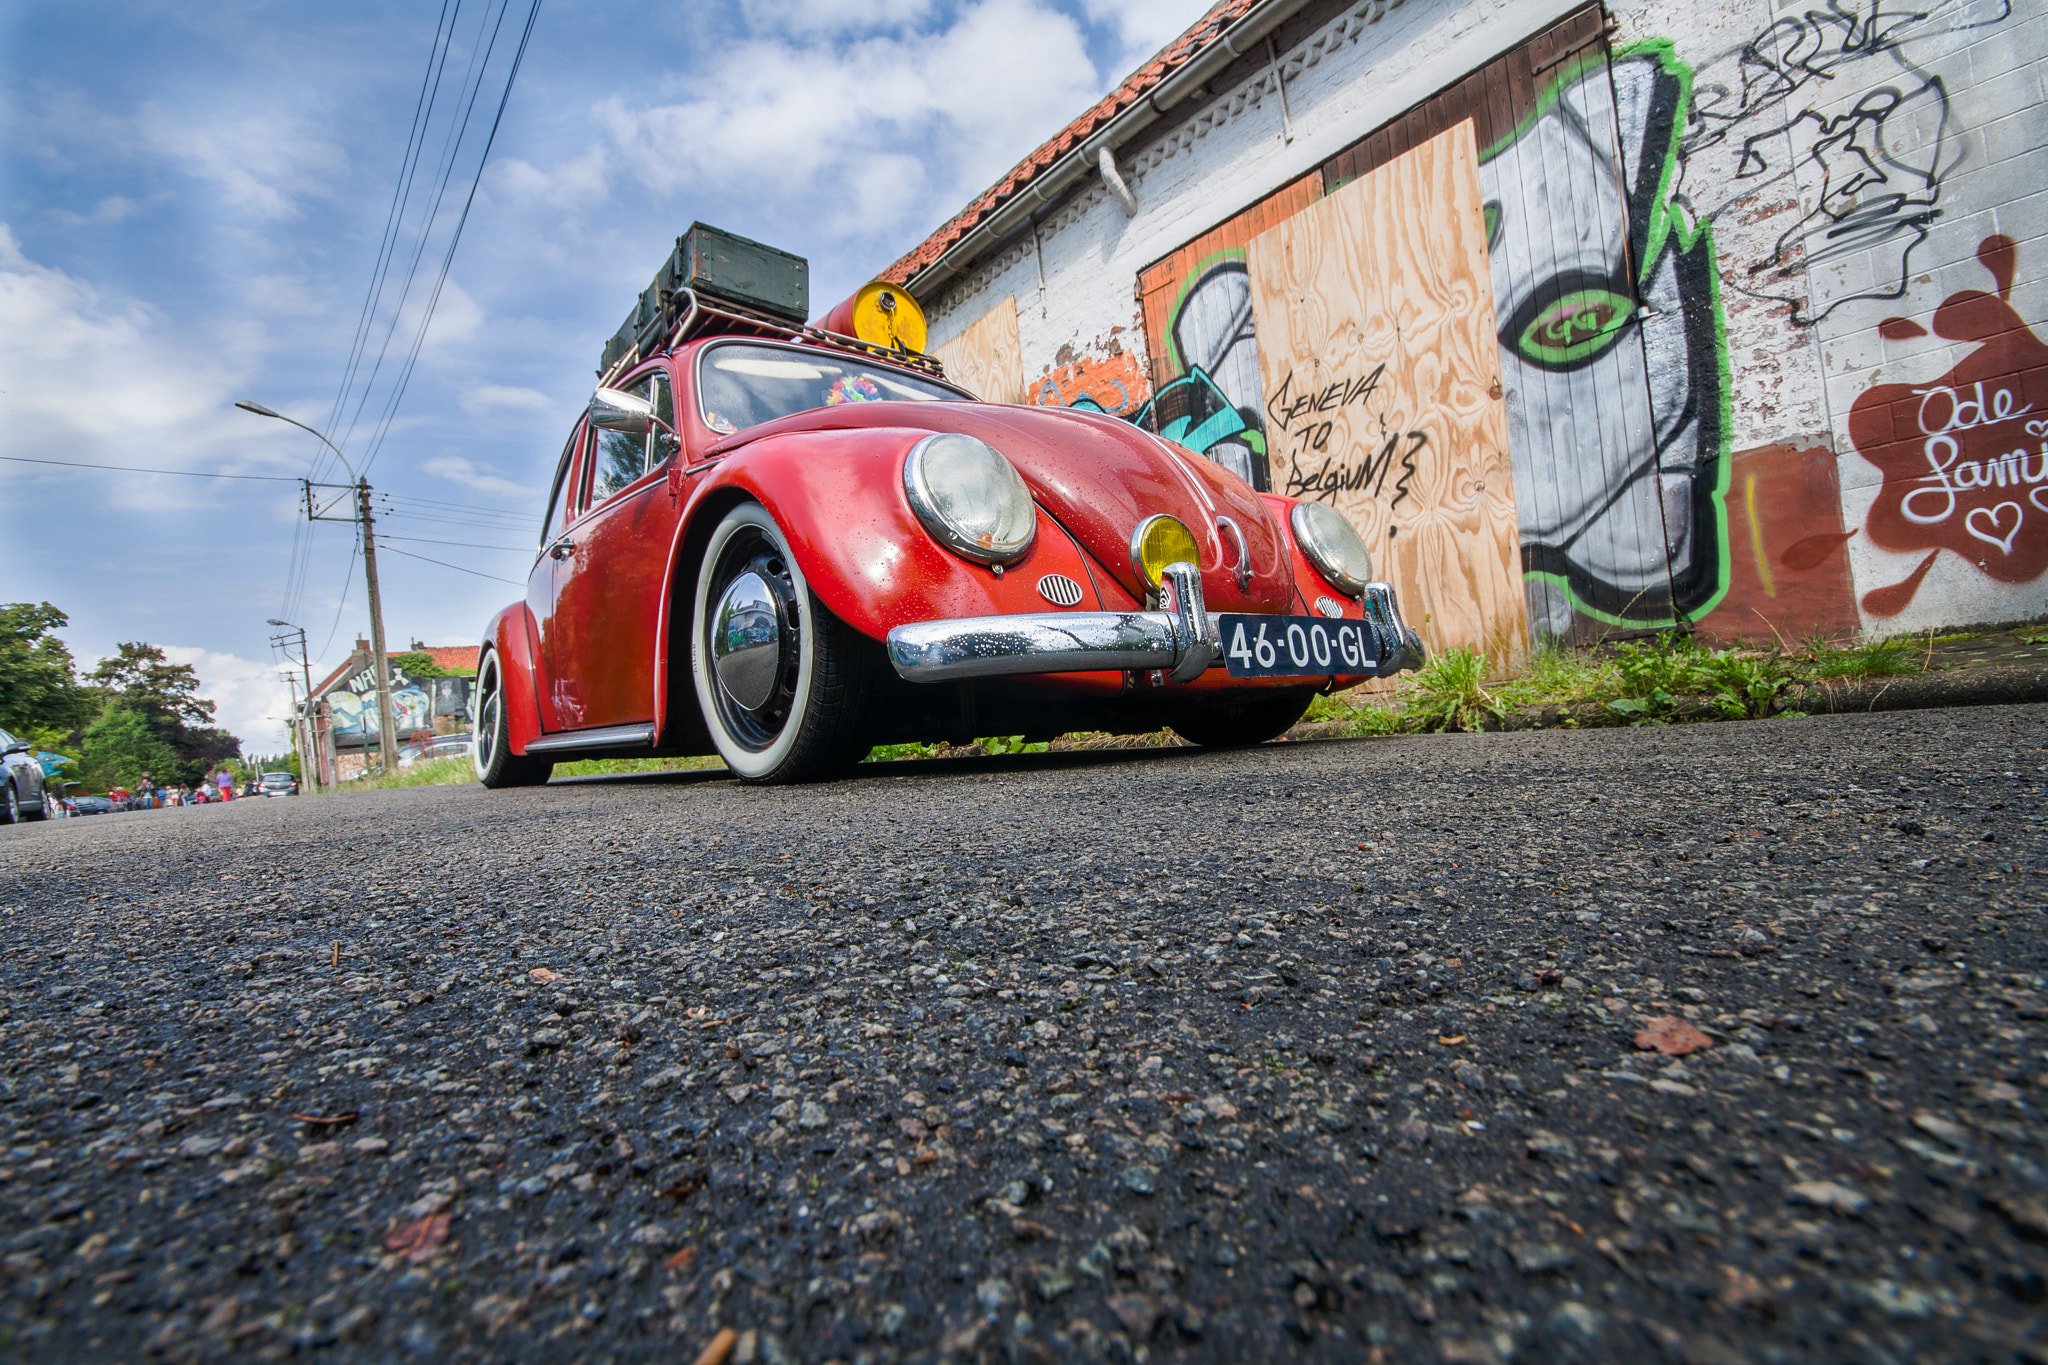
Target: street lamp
{"type": "Point", "coordinates": [387, 724]}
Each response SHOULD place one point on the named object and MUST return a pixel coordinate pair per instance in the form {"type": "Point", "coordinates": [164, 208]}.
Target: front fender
{"type": "Point", "coordinates": [510, 635]}
{"type": "Point", "coordinates": [838, 497]}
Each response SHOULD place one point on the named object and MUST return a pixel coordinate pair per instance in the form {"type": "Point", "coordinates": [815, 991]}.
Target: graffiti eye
{"type": "Point", "coordinates": [1574, 328]}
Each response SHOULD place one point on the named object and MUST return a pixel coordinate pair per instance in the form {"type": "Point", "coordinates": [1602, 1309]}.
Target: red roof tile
{"type": "Point", "coordinates": [1140, 83]}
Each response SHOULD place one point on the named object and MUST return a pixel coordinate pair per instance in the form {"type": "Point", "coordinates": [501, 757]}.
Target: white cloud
{"type": "Point", "coordinates": [1144, 26]}
{"type": "Point", "coordinates": [171, 407]}
{"type": "Point", "coordinates": [457, 470]}
{"type": "Point", "coordinates": [285, 296]}
{"type": "Point", "coordinates": [868, 131]}
{"type": "Point", "coordinates": [251, 698]}
{"type": "Point", "coordinates": [774, 17]}
{"type": "Point", "coordinates": [260, 166]}
{"type": "Point", "coordinates": [478, 399]}
{"type": "Point", "coordinates": [114, 208]}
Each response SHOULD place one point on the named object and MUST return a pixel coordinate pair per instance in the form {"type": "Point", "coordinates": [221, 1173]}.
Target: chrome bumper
{"type": "Point", "coordinates": [1179, 640]}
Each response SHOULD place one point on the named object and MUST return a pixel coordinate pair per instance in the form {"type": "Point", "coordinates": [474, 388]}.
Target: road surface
{"type": "Point", "coordinates": [1325, 1051]}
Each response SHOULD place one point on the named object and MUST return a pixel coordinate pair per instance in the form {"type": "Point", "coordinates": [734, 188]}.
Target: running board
{"type": "Point", "coordinates": [611, 737]}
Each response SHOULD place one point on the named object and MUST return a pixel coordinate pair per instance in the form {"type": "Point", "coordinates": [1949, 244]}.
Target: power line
{"type": "Point", "coordinates": [465, 544]}
{"type": "Point", "coordinates": [448, 259]}
{"type": "Point", "coordinates": [143, 469]}
{"type": "Point", "coordinates": [458, 568]}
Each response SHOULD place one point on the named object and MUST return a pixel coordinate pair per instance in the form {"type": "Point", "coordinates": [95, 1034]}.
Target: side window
{"type": "Point", "coordinates": [662, 442]}
{"type": "Point", "coordinates": [619, 456]}
{"type": "Point", "coordinates": [559, 498]}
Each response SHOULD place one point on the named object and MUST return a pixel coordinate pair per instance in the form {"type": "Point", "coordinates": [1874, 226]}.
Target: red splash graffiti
{"type": "Point", "coordinates": [1965, 458]}
{"type": "Point", "coordinates": [1114, 384]}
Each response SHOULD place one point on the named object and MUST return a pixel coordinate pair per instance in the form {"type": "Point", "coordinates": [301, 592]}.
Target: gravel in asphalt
{"type": "Point", "coordinates": [1712, 1044]}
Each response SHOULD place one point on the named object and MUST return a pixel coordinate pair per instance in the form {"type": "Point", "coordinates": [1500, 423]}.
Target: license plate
{"type": "Point", "coordinates": [1295, 646]}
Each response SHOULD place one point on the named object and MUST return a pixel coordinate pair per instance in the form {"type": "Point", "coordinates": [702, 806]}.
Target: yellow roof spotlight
{"type": "Point", "coordinates": [880, 314]}
{"type": "Point", "coordinates": [1159, 541]}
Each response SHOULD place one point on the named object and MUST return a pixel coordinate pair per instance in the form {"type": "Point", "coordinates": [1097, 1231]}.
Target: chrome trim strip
{"type": "Point", "coordinates": [610, 737]}
{"type": "Point", "coordinates": [1032, 642]}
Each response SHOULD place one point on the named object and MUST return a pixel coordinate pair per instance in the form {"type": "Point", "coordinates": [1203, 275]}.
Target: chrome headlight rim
{"type": "Point", "coordinates": [1314, 541]}
{"type": "Point", "coordinates": [942, 528]}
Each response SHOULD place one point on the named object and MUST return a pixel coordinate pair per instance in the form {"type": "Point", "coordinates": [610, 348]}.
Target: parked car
{"type": "Point", "coordinates": [91, 805]}
{"type": "Point", "coordinates": [785, 546]}
{"type": "Point", "coordinates": [277, 784]}
{"type": "Point", "coordinates": [24, 792]}
{"type": "Point", "coordinates": [441, 746]}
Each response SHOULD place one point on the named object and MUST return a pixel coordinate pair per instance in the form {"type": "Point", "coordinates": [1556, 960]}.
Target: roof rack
{"type": "Point", "coordinates": [686, 314]}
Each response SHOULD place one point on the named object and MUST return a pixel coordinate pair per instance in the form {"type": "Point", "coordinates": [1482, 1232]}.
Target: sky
{"type": "Point", "coordinates": [201, 203]}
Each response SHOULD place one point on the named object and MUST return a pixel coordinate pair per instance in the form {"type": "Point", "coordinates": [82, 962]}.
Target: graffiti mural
{"type": "Point", "coordinates": [1205, 353]}
{"type": "Point", "coordinates": [1964, 455]}
{"type": "Point", "coordinates": [1213, 405]}
{"type": "Point", "coordinates": [1837, 99]}
{"type": "Point", "coordinates": [1113, 383]}
{"type": "Point", "coordinates": [1611, 351]}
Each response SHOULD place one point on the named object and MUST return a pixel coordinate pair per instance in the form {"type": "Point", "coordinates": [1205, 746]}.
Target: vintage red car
{"type": "Point", "coordinates": [783, 546]}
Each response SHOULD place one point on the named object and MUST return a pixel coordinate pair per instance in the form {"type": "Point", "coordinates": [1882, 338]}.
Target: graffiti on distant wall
{"type": "Point", "coordinates": [1213, 404]}
{"type": "Point", "coordinates": [1874, 166]}
{"type": "Point", "coordinates": [1619, 455]}
{"type": "Point", "coordinates": [1965, 454]}
{"type": "Point", "coordinates": [1113, 383]}
{"type": "Point", "coordinates": [415, 703]}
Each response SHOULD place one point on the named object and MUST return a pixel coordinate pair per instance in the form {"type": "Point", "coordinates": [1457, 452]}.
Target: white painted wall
{"type": "Point", "coordinates": [1365, 68]}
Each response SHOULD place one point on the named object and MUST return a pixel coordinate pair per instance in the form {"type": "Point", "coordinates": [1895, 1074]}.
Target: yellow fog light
{"type": "Point", "coordinates": [1160, 541]}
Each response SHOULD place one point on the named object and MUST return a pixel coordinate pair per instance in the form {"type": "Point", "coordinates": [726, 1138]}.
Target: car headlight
{"type": "Point", "coordinates": [1159, 541]}
{"type": "Point", "coordinates": [1332, 545]}
{"type": "Point", "coordinates": [970, 498]}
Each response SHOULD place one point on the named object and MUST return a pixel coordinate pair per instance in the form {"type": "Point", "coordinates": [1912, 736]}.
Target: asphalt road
{"type": "Point", "coordinates": [1317, 1051]}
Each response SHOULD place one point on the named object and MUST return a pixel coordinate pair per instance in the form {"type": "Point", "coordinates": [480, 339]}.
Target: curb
{"type": "Point", "coordinates": [1994, 685]}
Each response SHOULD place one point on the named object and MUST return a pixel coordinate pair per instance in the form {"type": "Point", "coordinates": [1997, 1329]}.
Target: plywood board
{"type": "Point", "coordinates": [985, 359]}
{"type": "Point", "coordinates": [1381, 371]}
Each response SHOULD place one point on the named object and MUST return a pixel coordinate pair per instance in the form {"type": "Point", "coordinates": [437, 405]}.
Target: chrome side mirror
{"type": "Point", "coordinates": [617, 410]}
{"type": "Point", "coordinates": [17, 748]}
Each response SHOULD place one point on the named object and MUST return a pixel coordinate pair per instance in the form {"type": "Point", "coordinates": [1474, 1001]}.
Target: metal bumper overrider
{"type": "Point", "coordinates": [1180, 639]}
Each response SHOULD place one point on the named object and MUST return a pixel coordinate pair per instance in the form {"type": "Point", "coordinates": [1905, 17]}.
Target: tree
{"type": "Point", "coordinates": [120, 748]}
{"type": "Point", "coordinates": [418, 664]}
{"type": "Point", "coordinates": [141, 681]}
{"type": "Point", "coordinates": [38, 684]}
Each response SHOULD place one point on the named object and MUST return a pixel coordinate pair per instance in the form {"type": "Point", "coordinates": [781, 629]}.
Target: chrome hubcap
{"type": "Point", "coordinates": [746, 641]}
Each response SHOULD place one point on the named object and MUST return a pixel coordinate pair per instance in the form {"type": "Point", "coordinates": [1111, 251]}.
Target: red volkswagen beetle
{"type": "Point", "coordinates": [783, 546]}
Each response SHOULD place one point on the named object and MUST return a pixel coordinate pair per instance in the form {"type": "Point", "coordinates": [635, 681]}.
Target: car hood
{"type": "Point", "coordinates": [1098, 477]}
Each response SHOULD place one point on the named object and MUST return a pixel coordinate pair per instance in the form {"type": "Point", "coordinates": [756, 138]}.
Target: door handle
{"type": "Point", "coordinates": [561, 549]}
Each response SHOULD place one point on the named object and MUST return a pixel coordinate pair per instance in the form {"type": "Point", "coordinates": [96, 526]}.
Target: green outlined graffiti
{"type": "Point", "coordinates": [1213, 404]}
{"type": "Point", "coordinates": [1613, 349]}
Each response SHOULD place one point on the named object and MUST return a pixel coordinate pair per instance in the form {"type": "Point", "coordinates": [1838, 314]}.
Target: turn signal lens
{"type": "Point", "coordinates": [1160, 541]}
{"type": "Point", "coordinates": [1333, 545]}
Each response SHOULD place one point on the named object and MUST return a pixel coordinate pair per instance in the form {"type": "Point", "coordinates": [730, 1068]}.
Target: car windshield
{"type": "Point", "coordinates": [740, 385]}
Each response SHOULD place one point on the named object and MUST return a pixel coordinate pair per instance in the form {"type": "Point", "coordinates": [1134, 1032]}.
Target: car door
{"type": "Point", "coordinates": [602, 631]}
{"type": "Point", "coordinates": [540, 579]}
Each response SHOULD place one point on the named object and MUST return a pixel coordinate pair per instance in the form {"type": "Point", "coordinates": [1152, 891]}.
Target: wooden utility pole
{"type": "Point", "coordinates": [387, 724]}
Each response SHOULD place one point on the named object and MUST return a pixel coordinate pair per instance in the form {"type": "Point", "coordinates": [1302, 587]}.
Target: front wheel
{"type": "Point", "coordinates": [784, 685]}
{"type": "Point", "coordinates": [1237, 724]}
{"type": "Point", "coordinates": [10, 807]}
{"type": "Point", "coordinates": [496, 764]}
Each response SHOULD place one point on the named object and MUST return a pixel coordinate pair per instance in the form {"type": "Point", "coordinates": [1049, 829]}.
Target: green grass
{"type": "Point", "coordinates": [613, 767]}
{"type": "Point", "coordinates": [1890, 657]}
{"type": "Point", "coordinates": [434, 772]}
{"type": "Point", "coordinates": [443, 772]}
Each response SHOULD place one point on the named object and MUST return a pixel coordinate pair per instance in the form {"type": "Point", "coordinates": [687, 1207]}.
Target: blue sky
{"type": "Point", "coordinates": [192, 200]}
